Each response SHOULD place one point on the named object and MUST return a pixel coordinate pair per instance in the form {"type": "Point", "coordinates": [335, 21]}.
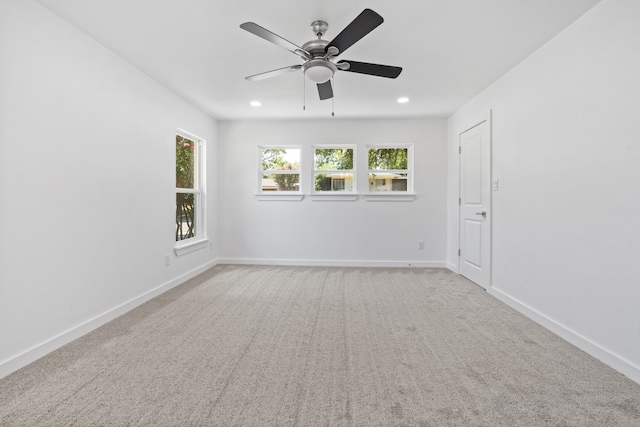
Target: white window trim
{"type": "Point", "coordinates": [388, 196]}
{"type": "Point", "coordinates": [191, 245]}
{"type": "Point", "coordinates": [200, 240]}
{"type": "Point", "coordinates": [339, 196]}
{"type": "Point", "coordinates": [395, 196]}
{"type": "Point", "coordinates": [279, 195]}
{"type": "Point", "coordinates": [335, 195]}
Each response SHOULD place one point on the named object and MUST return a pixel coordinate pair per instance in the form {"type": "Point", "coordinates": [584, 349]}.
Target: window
{"type": "Point", "coordinates": [337, 184]}
{"type": "Point", "coordinates": [189, 187]}
{"type": "Point", "coordinates": [279, 170]}
{"type": "Point", "coordinates": [333, 169]}
{"type": "Point", "coordinates": [389, 168]}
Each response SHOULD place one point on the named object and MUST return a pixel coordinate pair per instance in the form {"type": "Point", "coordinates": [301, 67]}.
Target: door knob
{"type": "Point", "coordinates": [483, 213]}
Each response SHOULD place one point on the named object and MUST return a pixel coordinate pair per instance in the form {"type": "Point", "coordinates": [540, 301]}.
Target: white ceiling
{"type": "Point", "coordinates": [450, 49]}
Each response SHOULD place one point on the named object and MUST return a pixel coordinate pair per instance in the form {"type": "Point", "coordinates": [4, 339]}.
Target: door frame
{"type": "Point", "coordinates": [477, 121]}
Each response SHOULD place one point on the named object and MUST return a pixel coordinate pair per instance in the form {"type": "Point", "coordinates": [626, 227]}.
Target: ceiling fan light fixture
{"type": "Point", "coordinates": [319, 70]}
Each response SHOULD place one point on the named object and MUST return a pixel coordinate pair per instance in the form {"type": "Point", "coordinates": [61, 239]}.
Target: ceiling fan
{"type": "Point", "coordinates": [319, 55]}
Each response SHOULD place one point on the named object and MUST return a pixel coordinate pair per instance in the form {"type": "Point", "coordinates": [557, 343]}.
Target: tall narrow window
{"type": "Point", "coordinates": [189, 191]}
{"type": "Point", "coordinates": [390, 168]}
{"type": "Point", "coordinates": [279, 169]}
{"type": "Point", "coordinates": [333, 169]}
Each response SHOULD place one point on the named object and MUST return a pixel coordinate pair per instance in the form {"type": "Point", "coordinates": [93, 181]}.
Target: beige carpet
{"type": "Point", "coordinates": [310, 346]}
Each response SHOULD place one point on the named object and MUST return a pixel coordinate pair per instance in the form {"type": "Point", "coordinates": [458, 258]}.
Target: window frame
{"type": "Point", "coordinates": [279, 195]}
{"type": "Point", "coordinates": [404, 195]}
{"type": "Point", "coordinates": [351, 194]}
{"type": "Point", "coordinates": [200, 239]}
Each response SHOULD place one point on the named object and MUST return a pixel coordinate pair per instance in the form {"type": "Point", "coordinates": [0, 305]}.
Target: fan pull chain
{"type": "Point", "coordinates": [304, 92]}
{"type": "Point", "coordinates": [332, 100]}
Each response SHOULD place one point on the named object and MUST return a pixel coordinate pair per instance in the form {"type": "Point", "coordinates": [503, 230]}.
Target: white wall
{"type": "Point", "coordinates": [566, 150]}
{"type": "Point", "coordinates": [337, 232]}
{"type": "Point", "coordinates": [86, 183]}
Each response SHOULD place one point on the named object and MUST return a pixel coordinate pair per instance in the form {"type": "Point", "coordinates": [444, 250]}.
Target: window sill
{"type": "Point", "coordinates": [188, 247]}
{"type": "Point", "coordinates": [286, 197]}
{"type": "Point", "coordinates": [334, 196]}
{"type": "Point", "coordinates": [389, 197]}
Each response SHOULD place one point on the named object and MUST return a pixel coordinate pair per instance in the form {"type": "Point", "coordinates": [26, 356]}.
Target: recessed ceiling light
{"type": "Point", "coordinates": [255, 103]}
{"type": "Point", "coordinates": [403, 100]}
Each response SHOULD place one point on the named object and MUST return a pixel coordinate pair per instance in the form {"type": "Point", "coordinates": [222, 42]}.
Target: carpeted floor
{"type": "Point", "coordinates": [311, 346]}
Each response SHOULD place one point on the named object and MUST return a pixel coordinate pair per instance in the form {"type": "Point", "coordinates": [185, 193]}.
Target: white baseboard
{"type": "Point", "coordinates": [11, 365]}
{"type": "Point", "coordinates": [453, 267]}
{"type": "Point", "coordinates": [333, 263]}
{"type": "Point", "coordinates": [618, 363]}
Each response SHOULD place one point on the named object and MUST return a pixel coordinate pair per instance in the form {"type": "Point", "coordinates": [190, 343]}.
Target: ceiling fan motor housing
{"type": "Point", "coordinates": [319, 69]}
{"type": "Point", "coordinates": [315, 47]}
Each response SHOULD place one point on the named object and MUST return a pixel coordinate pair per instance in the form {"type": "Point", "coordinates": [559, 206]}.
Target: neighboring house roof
{"type": "Point", "coordinates": [386, 175]}
{"type": "Point", "coordinates": [269, 184]}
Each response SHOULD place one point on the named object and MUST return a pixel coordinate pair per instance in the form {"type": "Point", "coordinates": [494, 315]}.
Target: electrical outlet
{"type": "Point", "coordinates": [421, 245]}
{"type": "Point", "coordinates": [167, 259]}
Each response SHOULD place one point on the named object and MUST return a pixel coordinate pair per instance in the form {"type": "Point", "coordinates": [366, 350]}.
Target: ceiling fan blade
{"type": "Point", "coordinates": [325, 90]}
{"type": "Point", "coordinates": [371, 69]}
{"type": "Point", "coordinates": [261, 32]}
{"type": "Point", "coordinates": [357, 29]}
{"type": "Point", "coordinates": [273, 73]}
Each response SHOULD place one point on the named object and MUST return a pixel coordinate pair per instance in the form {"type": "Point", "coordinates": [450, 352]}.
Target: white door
{"type": "Point", "coordinates": [475, 196]}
